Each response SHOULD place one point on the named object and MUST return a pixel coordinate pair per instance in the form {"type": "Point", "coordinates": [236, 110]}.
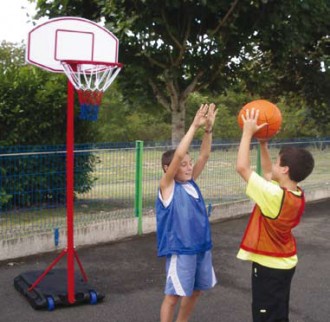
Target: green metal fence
{"type": "Point", "coordinates": [115, 182]}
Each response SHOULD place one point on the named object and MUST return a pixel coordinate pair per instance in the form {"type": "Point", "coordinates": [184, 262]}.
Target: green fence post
{"type": "Point", "coordinates": [259, 170]}
{"type": "Point", "coordinates": [138, 184]}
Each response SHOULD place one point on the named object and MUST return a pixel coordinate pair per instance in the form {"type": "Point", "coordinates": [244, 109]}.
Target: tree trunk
{"type": "Point", "coordinates": [175, 103]}
{"type": "Point", "coordinates": [178, 123]}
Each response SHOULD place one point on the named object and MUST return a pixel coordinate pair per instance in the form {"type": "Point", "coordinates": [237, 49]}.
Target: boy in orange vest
{"type": "Point", "coordinates": [268, 240]}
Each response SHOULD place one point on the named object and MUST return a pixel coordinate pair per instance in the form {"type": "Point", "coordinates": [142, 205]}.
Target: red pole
{"type": "Point", "coordinates": [69, 191]}
{"type": "Point", "coordinates": [47, 270]}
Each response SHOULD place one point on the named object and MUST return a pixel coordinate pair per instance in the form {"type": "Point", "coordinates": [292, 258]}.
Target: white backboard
{"type": "Point", "coordinates": [70, 38]}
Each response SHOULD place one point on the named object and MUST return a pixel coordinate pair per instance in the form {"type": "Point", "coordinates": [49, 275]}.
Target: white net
{"type": "Point", "coordinates": [90, 79]}
{"type": "Point", "coordinates": [91, 76]}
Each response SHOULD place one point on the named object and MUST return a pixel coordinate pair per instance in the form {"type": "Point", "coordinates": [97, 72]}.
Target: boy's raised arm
{"type": "Point", "coordinates": [243, 164]}
{"type": "Point", "coordinates": [206, 145]}
{"type": "Point", "coordinates": [266, 162]}
{"type": "Point", "coordinates": [182, 149]}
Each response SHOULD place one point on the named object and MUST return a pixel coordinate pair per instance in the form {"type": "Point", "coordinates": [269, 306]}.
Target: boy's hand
{"type": "Point", "coordinates": [250, 122]}
{"type": "Point", "coordinates": [205, 115]}
{"type": "Point", "coordinates": [210, 117]}
{"type": "Point", "coordinates": [201, 116]}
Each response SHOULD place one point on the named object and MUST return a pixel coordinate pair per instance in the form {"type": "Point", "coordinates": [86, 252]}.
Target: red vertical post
{"type": "Point", "coordinates": [69, 192]}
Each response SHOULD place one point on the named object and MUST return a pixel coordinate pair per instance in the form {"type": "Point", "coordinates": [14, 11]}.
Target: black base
{"type": "Point", "coordinates": [52, 289]}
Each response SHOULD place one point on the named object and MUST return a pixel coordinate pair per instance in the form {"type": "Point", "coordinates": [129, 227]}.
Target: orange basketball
{"type": "Point", "coordinates": [268, 113]}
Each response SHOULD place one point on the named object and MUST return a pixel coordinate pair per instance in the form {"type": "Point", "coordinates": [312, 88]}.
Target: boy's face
{"type": "Point", "coordinates": [185, 170]}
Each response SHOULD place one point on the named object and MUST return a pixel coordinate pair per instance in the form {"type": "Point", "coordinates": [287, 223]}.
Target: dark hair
{"type": "Point", "coordinates": [299, 161]}
{"type": "Point", "coordinates": [167, 158]}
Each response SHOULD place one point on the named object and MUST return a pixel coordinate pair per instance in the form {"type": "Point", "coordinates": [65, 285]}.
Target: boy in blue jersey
{"type": "Point", "coordinates": [268, 241]}
{"type": "Point", "coordinates": [183, 228]}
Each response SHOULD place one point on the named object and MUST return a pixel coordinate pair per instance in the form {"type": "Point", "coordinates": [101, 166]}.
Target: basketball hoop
{"type": "Point", "coordinates": [88, 54]}
{"type": "Point", "coordinates": [90, 79]}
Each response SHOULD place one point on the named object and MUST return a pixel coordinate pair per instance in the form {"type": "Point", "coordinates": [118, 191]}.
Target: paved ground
{"type": "Point", "coordinates": [131, 276]}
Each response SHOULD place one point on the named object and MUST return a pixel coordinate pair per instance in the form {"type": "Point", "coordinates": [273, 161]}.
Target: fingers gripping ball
{"type": "Point", "coordinates": [268, 113]}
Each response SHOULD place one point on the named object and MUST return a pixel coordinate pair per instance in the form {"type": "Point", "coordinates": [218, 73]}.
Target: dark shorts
{"type": "Point", "coordinates": [270, 293]}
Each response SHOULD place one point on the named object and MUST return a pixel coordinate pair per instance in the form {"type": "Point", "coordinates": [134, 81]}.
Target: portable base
{"type": "Point", "coordinates": [52, 290]}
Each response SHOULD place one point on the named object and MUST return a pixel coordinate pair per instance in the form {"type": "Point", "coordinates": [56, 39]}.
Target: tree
{"type": "Point", "coordinates": [172, 48]}
{"type": "Point", "coordinates": [33, 103]}
{"type": "Point", "coordinates": [33, 112]}
{"type": "Point", "coordinates": [120, 121]}
{"type": "Point", "coordinates": [291, 58]}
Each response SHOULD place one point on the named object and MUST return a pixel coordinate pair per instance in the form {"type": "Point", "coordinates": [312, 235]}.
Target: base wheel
{"type": "Point", "coordinates": [93, 297]}
{"type": "Point", "coordinates": [50, 303]}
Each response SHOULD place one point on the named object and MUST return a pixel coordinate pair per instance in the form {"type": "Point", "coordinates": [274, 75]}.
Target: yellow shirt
{"type": "Point", "coordinates": [268, 195]}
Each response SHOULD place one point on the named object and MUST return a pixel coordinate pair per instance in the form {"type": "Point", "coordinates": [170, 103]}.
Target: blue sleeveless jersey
{"type": "Point", "coordinates": [183, 226]}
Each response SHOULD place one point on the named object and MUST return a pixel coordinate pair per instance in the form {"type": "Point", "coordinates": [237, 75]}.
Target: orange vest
{"type": "Point", "coordinates": [273, 236]}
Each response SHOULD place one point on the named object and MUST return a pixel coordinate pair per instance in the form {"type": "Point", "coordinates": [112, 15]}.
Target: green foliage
{"type": "Point", "coordinates": [291, 55]}
{"type": "Point", "coordinates": [33, 111]}
{"type": "Point", "coordinates": [38, 179]}
{"type": "Point", "coordinates": [121, 121]}
{"type": "Point", "coordinates": [225, 126]}
{"type": "Point", "coordinates": [33, 104]}
{"type": "Point", "coordinates": [297, 121]}
{"type": "Point", "coordinates": [173, 48]}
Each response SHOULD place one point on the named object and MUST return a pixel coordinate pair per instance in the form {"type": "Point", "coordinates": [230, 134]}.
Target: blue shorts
{"type": "Point", "coordinates": [188, 273]}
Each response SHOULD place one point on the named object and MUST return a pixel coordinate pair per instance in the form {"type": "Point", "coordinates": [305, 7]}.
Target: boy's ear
{"type": "Point", "coordinates": [285, 170]}
{"type": "Point", "coordinates": [165, 167]}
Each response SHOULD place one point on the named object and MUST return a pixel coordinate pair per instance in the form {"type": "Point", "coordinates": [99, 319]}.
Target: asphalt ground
{"type": "Point", "coordinates": [132, 278]}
